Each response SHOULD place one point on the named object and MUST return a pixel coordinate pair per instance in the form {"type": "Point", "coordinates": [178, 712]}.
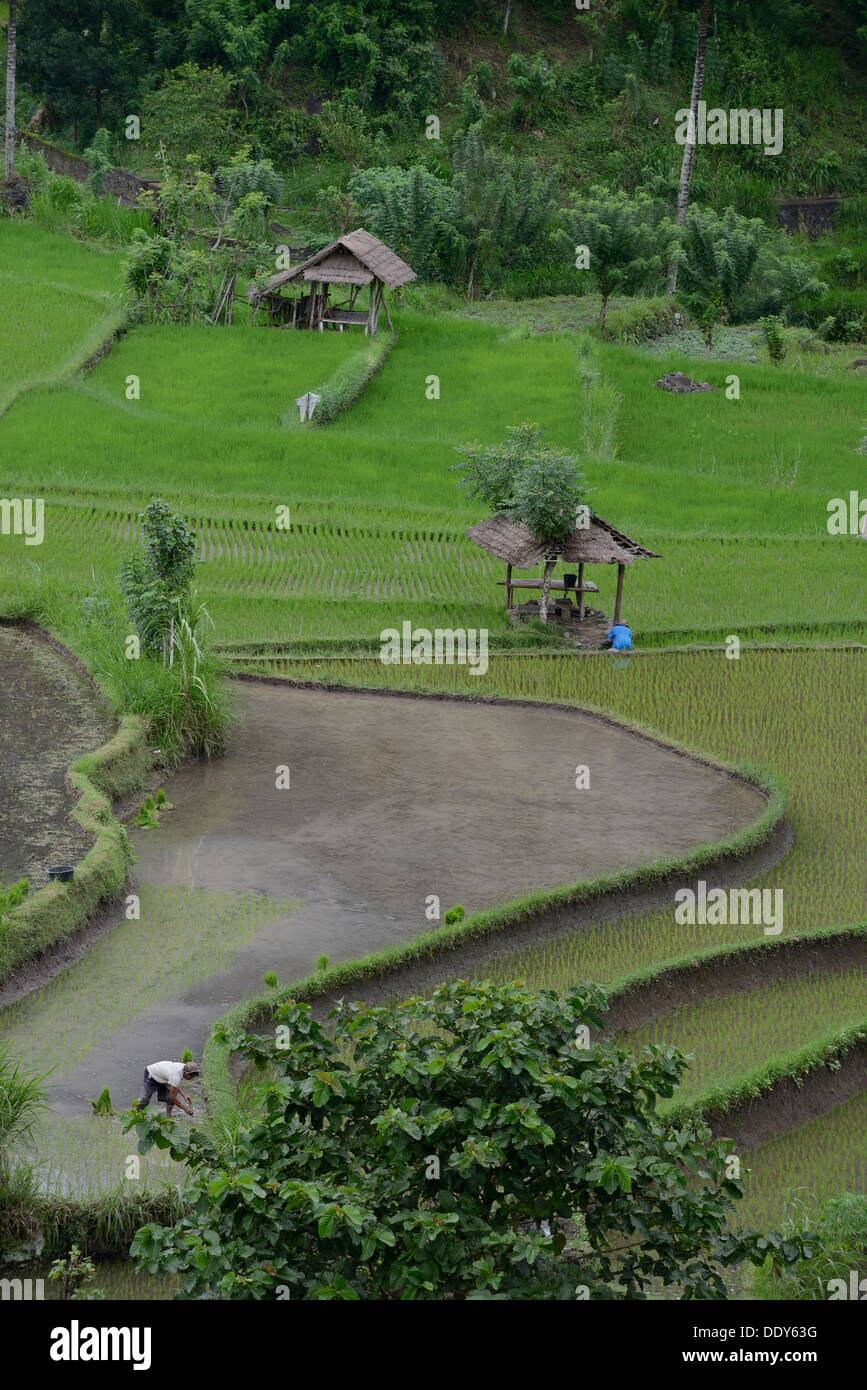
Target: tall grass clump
{"type": "Point", "coordinates": [22, 1104]}
{"type": "Point", "coordinates": [187, 706]}
{"type": "Point", "coordinates": [837, 1230]}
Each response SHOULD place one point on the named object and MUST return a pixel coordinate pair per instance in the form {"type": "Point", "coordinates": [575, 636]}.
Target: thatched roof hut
{"type": "Point", "coordinates": [354, 260]}
{"type": "Point", "coordinates": [596, 543]}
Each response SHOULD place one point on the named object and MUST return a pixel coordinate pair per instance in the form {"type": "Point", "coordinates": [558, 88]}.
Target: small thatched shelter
{"type": "Point", "coordinates": [353, 261]}
{"type": "Point", "coordinates": [596, 543]}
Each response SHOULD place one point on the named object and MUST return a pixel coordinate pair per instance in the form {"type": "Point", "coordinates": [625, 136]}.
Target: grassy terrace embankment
{"type": "Point", "coordinates": [59, 303]}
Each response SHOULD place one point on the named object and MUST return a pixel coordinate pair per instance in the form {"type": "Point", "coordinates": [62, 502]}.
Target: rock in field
{"type": "Point", "coordinates": [680, 382]}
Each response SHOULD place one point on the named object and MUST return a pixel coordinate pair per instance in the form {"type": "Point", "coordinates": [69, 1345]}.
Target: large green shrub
{"type": "Point", "coordinates": [425, 1167]}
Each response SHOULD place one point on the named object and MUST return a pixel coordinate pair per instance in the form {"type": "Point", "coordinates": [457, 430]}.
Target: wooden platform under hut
{"type": "Point", "coordinates": [354, 262]}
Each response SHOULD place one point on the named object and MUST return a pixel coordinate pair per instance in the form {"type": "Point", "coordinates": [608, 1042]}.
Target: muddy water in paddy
{"type": "Point", "coordinates": [390, 800]}
{"type": "Point", "coordinates": [49, 715]}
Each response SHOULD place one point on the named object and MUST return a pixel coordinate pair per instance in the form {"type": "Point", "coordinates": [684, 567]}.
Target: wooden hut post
{"type": "Point", "coordinates": [373, 313]}
{"type": "Point", "coordinates": [581, 591]}
{"type": "Point", "coordinates": [508, 587]}
{"type": "Point", "coordinates": [620, 572]}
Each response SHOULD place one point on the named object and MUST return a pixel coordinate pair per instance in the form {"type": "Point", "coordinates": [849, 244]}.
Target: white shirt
{"type": "Point", "coordinates": [166, 1073]}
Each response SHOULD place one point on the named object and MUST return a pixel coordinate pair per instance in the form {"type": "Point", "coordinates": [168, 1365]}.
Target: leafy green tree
{"type": "Point", "coordinates": [719, 257]}
{"type": "Point", "coordinates": [237, 36]}
{"type": "Point", "coordinates": [244, 177]}
{"type": "Point", "coordinates": [781, 283]}
{"type": "Point", "coordinates": [211, 229]}
{"type": "Point", "coordinates": [188, 114]}
{"type": "Point", "coordinates": [381, 49]}
{"type": "Point", "coordinates": [530, 483]}
{"type": "Point", "coordinates": [85, 56]}
{"type": "Point", "coordinates": [424, 1167]}
{"type": "Point", "coordinates": [536, 85]}
{"type": "Point", "coordinates": [505, 205]}
{"type": "Point", "coordinates": [472, 108]}
{"type": "Point", "coordinates": [492, 215]}
{"type": "Point", "coordinates": [628, 240]}
{"type": "Point", "coordinates": [156, 584]}
{"type": "Point", "coordinates": [345, 132]}
{"type": "Point", "coordinates": [416, 214]}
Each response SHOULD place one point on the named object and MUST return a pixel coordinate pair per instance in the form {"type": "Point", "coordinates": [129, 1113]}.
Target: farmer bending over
{"type": "Point", "coordinates": [165, 1079]}
{"type": "Point", "coordinates": [619, 638]}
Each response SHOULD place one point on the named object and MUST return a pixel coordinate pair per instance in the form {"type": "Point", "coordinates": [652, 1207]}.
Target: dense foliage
{"type": "Point", "coordinates": [535, 113]}
{"type": "Point", "coordinates": [426, 1166]}
{"type": "Point", "coordinates": [211, 229]}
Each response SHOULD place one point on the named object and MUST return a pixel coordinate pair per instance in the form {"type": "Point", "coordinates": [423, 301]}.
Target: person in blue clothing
{"type": "Point", "coordinates": [619, 638]}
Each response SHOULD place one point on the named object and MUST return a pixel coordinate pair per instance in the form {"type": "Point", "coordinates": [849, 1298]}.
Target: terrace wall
{"type": "Point", "coordinates": [58, 910]}
{"type": "Point", "coordinates": [121, 183]}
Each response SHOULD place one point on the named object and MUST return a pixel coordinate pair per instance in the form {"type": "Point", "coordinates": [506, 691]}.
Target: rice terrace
{"type": "Point", "coordinates": [433, 661]}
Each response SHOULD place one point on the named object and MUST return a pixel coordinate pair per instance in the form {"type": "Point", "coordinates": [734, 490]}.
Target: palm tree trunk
{"type": "Point", "coordinates": [689, 147]}
{"type": "Point", "coordinates": [9, 142]}
{"type": "Point", "coordinates": [546, 589]}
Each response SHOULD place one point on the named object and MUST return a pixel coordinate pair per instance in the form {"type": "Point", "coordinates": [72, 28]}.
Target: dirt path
{"type": "Point", "coordinates": [389, 801]}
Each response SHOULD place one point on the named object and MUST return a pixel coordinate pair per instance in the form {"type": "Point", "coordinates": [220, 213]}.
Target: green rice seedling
{"type": "Point", "coordinates": [454, 914]}
{"type": "Point", "coordinates": [322, 962]}
{"type": "Point", "coordinates": [162, 801]}
{"type": "Point", "coordinates": [147, 817]}
{"type": "Point", "coordinates": [271, 980]}
{"type": "Point", "coordinates": [102, 1105]}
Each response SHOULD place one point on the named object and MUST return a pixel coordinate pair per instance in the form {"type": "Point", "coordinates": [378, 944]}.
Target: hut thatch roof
{"type": "Point", "coordinates": [599, 543]}
{"type": "Point", "coordinates": [356, 258]}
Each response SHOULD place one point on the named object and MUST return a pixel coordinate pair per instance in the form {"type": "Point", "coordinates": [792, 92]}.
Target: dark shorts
{"type": "Point", "coordinates": [151, 1088]}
